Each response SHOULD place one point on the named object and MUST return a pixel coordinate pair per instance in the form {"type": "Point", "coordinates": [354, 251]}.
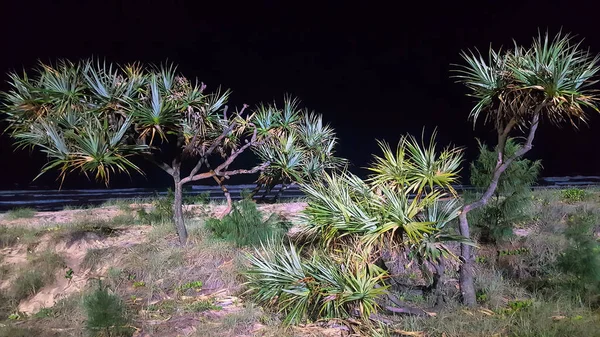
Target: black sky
{"type": "Point", "coordinates": [375, 70]}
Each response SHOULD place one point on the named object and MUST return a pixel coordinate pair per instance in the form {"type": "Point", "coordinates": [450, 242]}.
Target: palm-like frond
{"type": "Point", "coordinates": [552, 77]}
{"type": "Point", "coordinates": [105, 81]}
{"type": "Point", "coordinates": [392, 168]}
{"type": "Point", "coordinates": [431, 169]}
{"type": "Point", "coordinates": [416, 167]}
{"type": "Point", "coordinates": [155, 115]}
{"type": "Point", "coordinates": [315, 287]}
{"type": "Point", "coordinates": [338, 206]}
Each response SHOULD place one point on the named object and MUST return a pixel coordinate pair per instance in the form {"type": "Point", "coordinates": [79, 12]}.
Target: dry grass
{"type": "Point", "coordinates": [149, 272]}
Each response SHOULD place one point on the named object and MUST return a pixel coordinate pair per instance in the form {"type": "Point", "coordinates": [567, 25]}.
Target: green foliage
{"type": "Point", "coordinates": [512, 198]}
{"type": "Point", "coordinates": [198, 199]}
{"type": "Point", "coordinates": [161, 211]}
{"type": "Point", "coordinates": [301, 148]}
{"type": "Point", "coordinates": [95, 256]}
{"type": "Point", "coordinates": [343, 205]}
{"type": "Point", "coordinates": [20, 213]}
{"type": "Point", "coordinates": [581, 260]}
{"type": "Point", "coordinates": [203, 305]}
{"type": "Point", "coordinates": [530, 319]}
{"type": "Point", "coordinates": [573, 195]}
{"type": "Point", "coordinates": [162, 208]}
{"type": "Point", "coordinates": [553, 76]}
{"type": "Point", "coordinates": [138, 284]}
{"type": "Point", "coordinates": [246, 226]}
{"type": "Point", "coordinates": [196, 285]}
{"type": "Point", "coordinates": [322, 286]}
{"type": "Point", "coordinates": [105, 313]}
{"type": "Point", "coordinates": [69, 274]}
{"type": "Point", "coordinates": [27, 284]}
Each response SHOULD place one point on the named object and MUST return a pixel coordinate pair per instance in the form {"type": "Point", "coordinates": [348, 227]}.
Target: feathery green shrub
{"type": "Point", "coordinates": [511, 200]}
{"type": "Point", "coordinates": [581, 260]}
{"type": "Point", "coordinates": [106, 315]}
{"type": "Point", "coordinates": [246, 226]}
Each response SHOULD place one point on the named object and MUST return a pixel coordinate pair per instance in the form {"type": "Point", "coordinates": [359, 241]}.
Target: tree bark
{"type": "Point", "coordinates": [467, 287]}
{"type": "Point", "coordinates": [465, 279]}
{"type": "Point", "coordinates": [178, 205]}
{"type": "Point", "coordinates": [438, 282]}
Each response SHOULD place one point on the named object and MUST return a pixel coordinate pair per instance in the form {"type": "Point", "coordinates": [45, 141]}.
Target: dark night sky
{"type": "Point", "coordinates": [374, 71]}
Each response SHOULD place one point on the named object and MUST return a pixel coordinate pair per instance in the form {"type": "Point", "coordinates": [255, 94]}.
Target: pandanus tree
{"type": "Point", "coordinates": [405, 203]}
{"type": "Point", "coordinates": [350, 220]}
{"type": "Point", "coordinates": [93, 117]}
{"type": "Point", "coordinates": [516, 89]}
{"type": "Point", "coordinates": [301, 147]}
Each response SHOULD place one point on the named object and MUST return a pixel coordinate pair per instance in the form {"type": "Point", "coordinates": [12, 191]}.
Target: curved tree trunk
{"type": "Point", "coordinates": [466, 282]}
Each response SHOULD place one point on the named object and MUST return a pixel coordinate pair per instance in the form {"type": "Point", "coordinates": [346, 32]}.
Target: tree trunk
{"type": "Point", "coordinates": [178, 208]}
{"type": "Point", "coordinates": [438, 282]}
{"type": "Point", "coordinates": [467, 286]}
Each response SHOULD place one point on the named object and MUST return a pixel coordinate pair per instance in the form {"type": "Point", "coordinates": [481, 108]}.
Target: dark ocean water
{"type": "Point", "coordinates": [46, 200]}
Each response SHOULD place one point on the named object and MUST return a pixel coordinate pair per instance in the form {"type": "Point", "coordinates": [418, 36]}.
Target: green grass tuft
{"type": "Point", "coordinates": [20, 213]}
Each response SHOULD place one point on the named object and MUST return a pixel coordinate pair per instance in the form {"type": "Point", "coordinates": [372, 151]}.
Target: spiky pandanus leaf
{"type": "Point", "coordinates": [315, 287]}
{"type": "Point", "coordinates": [553, 77]}
{"type": "Point", "coordinates": [390, 204]}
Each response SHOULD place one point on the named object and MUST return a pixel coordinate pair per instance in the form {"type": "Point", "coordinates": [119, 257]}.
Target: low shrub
{"type": "Point", "coordinates": [203, 305]}
{"type": "Point", "coordinates": [581, 260]}
{"type": "Point", "coordinates": [197, 199]}
{"type": "Point", "coordinates": [246, 226]}
{"type": "Point", "coordinates": [106, 315]}
{"type": "Point", "coordinates": [162, 209]}
{"type": "Point", "coordinates": [573, 195]}
{"type": "Point", "coordinates": [20, 213]}
{"type": "Point", "coordinates": [512, 198]}
{"type": "Point", "coordinates": [95, 256]}
{"type": "Point", "coordinates": [27, 284]}
{"type": "Point", "coordinates": [322, 286]}
{"type": "Point", "coordinates": [524, 319]}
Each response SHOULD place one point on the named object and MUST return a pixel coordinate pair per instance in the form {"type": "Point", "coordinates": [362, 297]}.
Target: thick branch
{"type": "Point", "coordinates": [253, 170]}
{"type": "Point", "coordinates": [213, 146]}
{"type": "Point", "coordinates": [219, 170]}
{"type": "Point", "coordinates": [239, 151]}
{"type": "Point", "coordinates": [502, 166]}
{"type": "Point", "coordinates": [502, 137]}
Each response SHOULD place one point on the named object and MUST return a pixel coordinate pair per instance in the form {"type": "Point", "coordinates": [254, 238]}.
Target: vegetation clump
{"type": "Point", "coordinates": [573, 195]}
{"type": "Point", "coordinates": [245, 225]}
{"type": "Point", "coordinates": [510, 202]}
{"type": "Point", "coordinates": [321, 286]}
{"type": "Point", "coordinates": [106, 314]}
{"type": "Point", "coordinates": [20, 213]}
{"type": "Point", "coordinates": [580, 261]}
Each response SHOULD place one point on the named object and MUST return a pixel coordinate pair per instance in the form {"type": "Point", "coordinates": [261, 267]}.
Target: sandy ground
{"type": "Point", "coordinates": [286, 210]}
